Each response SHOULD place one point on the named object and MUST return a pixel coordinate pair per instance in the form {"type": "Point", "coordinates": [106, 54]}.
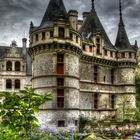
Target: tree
{"type": "Point", "coordinates": [137, 81]}
{"type": "Point", "coordinates": [18, 110]}
{"type": "Point", "coordinates": [124, 108]}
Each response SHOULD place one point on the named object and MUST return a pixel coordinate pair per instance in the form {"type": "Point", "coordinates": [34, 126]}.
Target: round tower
{"type": "Point", "coordinates": [126, 62]}
{"type": "Point", "coordinates": [55, 52]}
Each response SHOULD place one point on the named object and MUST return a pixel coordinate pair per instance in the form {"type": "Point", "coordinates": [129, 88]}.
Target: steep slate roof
{"type": "Point", "coordinates": [27, 58]}
{"type": "Point", "coordinates": [92, 25]}
{"type": "Point", "coordinates": [54, 10]}
{"type": "Point", "coordinates": [122, 41]}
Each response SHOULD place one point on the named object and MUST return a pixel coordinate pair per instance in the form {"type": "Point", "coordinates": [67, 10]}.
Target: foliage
{"type": "Point", "coordinates": [83, 121]}
{"type": "Point", "coordinates": [124, 109]}
{"type": "Point", "coordinates": [137, 82]}
{"type": "Point", "coordinates": [18, 110]}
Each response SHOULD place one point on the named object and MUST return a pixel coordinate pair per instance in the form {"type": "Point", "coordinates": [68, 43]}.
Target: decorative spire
{"type": "Point", "coordinates": [92, 4]}
{"type": "Point", "coordinates": [120, 3]}
{"type": "Point", "coordinates": [121, 19]}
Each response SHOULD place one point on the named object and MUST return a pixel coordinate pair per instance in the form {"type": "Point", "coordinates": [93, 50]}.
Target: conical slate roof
{"type": "Point", "coordinates": [54, 10]}
{"type": "Point", "coordinates": [122, 41]}
{"type": "Point", "coordinates": [92, 25]}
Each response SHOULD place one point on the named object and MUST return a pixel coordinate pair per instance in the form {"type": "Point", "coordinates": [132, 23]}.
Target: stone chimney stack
{"type": "Point", "coordinates": [73, 17]}
{"type": "Point", "coordinates": [24, 42]}
{"type": "Point", "coordinates": [24, 47]}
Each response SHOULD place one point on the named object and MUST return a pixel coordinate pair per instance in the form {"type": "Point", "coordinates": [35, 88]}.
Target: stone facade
{"type": "Point", "coordinates": [95, 73]}
{"type": "Point", "coordinates": [77, 63]}
{"type": "Point", "coordinates": [13, 68]}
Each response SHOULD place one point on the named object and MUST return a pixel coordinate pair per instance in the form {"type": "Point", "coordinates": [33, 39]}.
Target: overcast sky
{"type": "Point", "coordinates": [15, 17]}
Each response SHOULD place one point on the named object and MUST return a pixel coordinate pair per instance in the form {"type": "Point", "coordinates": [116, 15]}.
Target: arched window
{"type": "Point", "coordinates": [17, 66]}
{"type": "Point", "coordinates": [8, 84]}
{"type": "Point", "coordinates": [17, 84]}
{"type": "Point", "coordinates": [9, 66]}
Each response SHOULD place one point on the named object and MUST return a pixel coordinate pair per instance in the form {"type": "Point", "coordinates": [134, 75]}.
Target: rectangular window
{"type": "Point", "coordinates": [111, 54]}
{"type": "Point", "coordinates": [112, 76]}
{"type": "Point", "coordinates": [51, 33]}
{"type": "Point", "coordinates": [36, 37]}
{"type": "Point", "coordinates": [60, 98]}
{"type": "Point", "coordinates": [98, 40]}
{"type": "Point", "coordinates": [96, 101]}
{"type": "Point", "coordinates": [84, 47]}
{"type": "Point", "coordinates": [61, 32]}
{"type": "Point", "coordinates": [76, 39]}
{"type": "Point", "coordinates": [60, 82]}
{"type": "Point", "coordinates": [76, 122]}
{"type": "Point", "coordinates": [60, 68]}
{"type": "Point", "coordinates": [60, 63]}
{"type": "Point", "coordinates": [112, 101]}
{"type": "Point", "coordinates": [123, 55]}
{"type": "Point", "coordinates": [43, 35]}
{"type": "Point", "coordinates": [61, 123]}
{"type": "Point", "coordinates": [90, 48]}
{"type": "Point", "coordinates": [105, 52]}
{"type": "Point", "coordinates": [60, 58]}
{"type": "Point", "coordinates": [95, 74]}
{"type": "Point", "coordinates": [130, 55]}
{"type": "Point", "coordinates": [98, 49]}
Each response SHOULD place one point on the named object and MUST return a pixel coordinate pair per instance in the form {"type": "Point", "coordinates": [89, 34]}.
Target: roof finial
{"type": "Point", "coordinates": [120, 2]}
{"type": "Point", "coordinates": [121, 19]}
{"type": "Point", "coordinates": [92, 4]}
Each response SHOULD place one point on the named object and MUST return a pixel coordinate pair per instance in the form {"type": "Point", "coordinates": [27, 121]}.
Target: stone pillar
{"type": "Point", "coordinates": [13, 65]}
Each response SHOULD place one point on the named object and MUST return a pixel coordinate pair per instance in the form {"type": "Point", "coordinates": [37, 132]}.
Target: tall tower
{"type": "Point", "coordinates": [55, 53]}
{"type": "Point", "coordinates": [126, 61]}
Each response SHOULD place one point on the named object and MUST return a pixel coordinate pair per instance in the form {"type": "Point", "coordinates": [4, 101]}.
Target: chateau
{"type": "Point", "coordinates": [76, 62]}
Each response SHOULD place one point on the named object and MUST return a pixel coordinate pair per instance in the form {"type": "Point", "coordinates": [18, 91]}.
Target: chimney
{"type": "Point", "coordinates": [24, 47]}
{"type": "Point", "coordinates": [24, 42]}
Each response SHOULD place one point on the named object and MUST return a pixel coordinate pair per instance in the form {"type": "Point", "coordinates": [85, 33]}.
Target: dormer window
{"type": "Point", "coordinates": [130, 55]}
{"type": "Point", "coordinates": [98, 40]}
{"type": "Point", "coordinates": [43, 35]}
{"type": "Point", "coordinates": [98, 45]}
{"type": "Point", "coordinates": [61, 32]}
{"type": "Point", "coordinates": [51, 33]}
{"type": "Point", "coordinates": [90, 48]}
{"type": "Point", "coordinates": [36, 37]}
{"type": "Point", "coordinates": [98, 48]}
{"type": "Point", "coordinates": [123, 55]}
{"type": "Point", "coordinates": [105, 52]}
{"type": "Point", "coordinates": [84, 47]}
{"type": "Point", "coordinates": [111, 54]}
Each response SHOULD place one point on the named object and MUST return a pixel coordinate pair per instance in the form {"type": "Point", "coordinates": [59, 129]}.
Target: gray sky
{"type": "Point", "coordinates": [16, 16]}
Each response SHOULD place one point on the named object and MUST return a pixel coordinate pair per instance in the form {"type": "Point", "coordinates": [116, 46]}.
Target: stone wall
{"type": "Point", "coordinates": [126, 76]}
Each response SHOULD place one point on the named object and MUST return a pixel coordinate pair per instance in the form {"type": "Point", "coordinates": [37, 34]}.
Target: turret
{"type": "Point", "coordinates": [55, 53]}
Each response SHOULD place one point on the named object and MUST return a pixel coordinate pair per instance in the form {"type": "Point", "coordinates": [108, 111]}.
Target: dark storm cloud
{"type": "Point", "coordinates": [16, 16]}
